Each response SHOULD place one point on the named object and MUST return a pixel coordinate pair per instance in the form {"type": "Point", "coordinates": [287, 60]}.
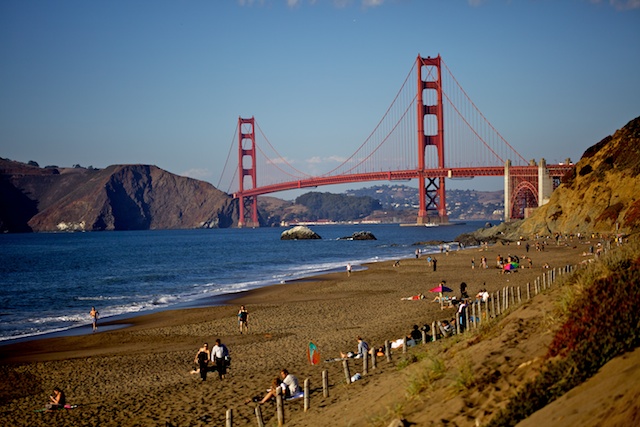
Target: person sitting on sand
{"type": "Point", "coordinates": [57, 399]}
{"type": "Point", "coordinates": [446, 328]}
{"type": "Point", "coordinates": [276, 387]}
{"type": "Point", "coordinates": [289, 387]}
{"type": "Point", "coordinates": [363, 350]}
{"type": "Point", "coordinates": [415, 333]}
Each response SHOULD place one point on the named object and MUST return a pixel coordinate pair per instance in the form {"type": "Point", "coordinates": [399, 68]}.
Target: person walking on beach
{"type": "Point", "coordinates": [94, 318]}
{"type": "Point", "coordinates": [220, 354]}
{"type": "Point", "coordinates": [202, 360]}
{"type": "Point", "coordinates": [348, 269]}
{"type": "Point", "coordinates": [434, 263]}
{"type": "Point", "coordinates": [243, 316]}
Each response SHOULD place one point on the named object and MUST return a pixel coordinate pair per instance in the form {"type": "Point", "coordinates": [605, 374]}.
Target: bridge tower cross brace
{"type": "Point", "coordinates": [247, 157]}
{"type": "Point", "coordinates": [432, 194]}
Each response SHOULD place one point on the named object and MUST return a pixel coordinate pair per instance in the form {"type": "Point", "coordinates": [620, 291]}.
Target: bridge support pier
{"type": "Point", "coordinates": [507, 191]}
{"type": "Point", "coordinates": [430, 111]}
{"type": "Point", "coordinates": [545, 183]}
{"type": "Point", "coordinates": [247, 168]}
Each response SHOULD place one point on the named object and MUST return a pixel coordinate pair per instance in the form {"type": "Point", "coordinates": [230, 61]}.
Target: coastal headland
{"type": "Point", "coordinates": [140, 374]}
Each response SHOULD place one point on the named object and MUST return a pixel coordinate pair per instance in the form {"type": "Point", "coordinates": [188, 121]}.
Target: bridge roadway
{"type": "Point", "coordinates": [556, 171]}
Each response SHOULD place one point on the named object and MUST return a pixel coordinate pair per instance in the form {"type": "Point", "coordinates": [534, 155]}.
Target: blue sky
{"type": "Point", "coordinates": [163, 82]}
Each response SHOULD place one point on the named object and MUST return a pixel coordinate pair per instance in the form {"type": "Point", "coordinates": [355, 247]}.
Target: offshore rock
{"type": "Point", "coordinates": [119, 197]}
{"type": "Point", "coordinates": [360, 235]}
{"type": "Point", "coordinates": [299, 232]}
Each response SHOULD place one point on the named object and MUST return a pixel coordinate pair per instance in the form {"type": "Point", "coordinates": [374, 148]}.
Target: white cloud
{"type": "Point", "coordinates": [336, 159]}
{"type": "Point", "coordinates": [475, 3]}
{"type": "Point", "coordinates": [200, 174]}
{"type": "Point", "coordinates": [314, 160]}
{"type": "Point", "coordinates": [372, 3]}
{"type": "Point", "coordinates": [620, 5]}
{"type": "Point", "coordinates": [625, 4]}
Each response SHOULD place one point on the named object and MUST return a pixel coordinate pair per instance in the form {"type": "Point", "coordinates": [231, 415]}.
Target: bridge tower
{"type": "Point", "coordinates": [248, 205]}
{"type": "Point", "coordinates": [432, 197]}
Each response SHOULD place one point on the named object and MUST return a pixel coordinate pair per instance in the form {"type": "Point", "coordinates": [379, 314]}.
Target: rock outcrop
{"type": "Point", "coordinates": [360, 235]}
{"type": "Point", "coordinates": [119, 197]}
{"type": "Point", "coordinates": [299, 232]}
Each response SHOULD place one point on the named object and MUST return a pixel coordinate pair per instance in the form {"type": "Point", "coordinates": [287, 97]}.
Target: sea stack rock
{"type": "Point", "coordinates": [299, 232]}
{"type": "Point", "coordinates": [360, 235]}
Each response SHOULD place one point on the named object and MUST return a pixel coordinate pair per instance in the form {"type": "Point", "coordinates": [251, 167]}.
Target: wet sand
{"type": "Point", "coordinates": [140, 374]}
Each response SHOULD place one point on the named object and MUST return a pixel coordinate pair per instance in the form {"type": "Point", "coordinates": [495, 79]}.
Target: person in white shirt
{"type": "Point", "coordinates": [219, 355]}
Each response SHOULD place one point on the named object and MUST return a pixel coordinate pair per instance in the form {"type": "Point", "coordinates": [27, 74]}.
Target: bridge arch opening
{"type": "Point", "coordinates": [525, 196]}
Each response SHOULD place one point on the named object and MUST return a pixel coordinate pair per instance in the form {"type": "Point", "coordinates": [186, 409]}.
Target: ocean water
{"type": "Point", "coordinates": [50, 281]}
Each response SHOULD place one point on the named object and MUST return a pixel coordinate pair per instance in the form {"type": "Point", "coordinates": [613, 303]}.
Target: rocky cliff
{"type": "Point", "coordinates": [600, 195]}
{"type": "Point", "coordinates": [119, 197]}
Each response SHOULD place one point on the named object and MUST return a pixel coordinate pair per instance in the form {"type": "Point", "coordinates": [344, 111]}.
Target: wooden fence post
{"type": "Point", "coordinates": [279, 409]}
{"type": "Point", "coordinates": [387, 350]}
{"type": "Point", "coordinates": [258, 412]}
{"type": "Point", "coordinates": [345, 368]}
{"type": "Point", "coordinates": [229, 418]}
{"type": "Point", "coordinates": [404, 345]}
{"type": "Point", "coordinates": [424, 336]}
{"type": "Point", "coordinates": [434, 338]}
{"type": "Point", "coordinates": [365, 363]}
{"type": "Point", "coordinates": [374, 359]}
{"type": "Point", "coordinates": [528, 291]}
{"type": "Point", "coordinates": [325, 383]}
{"type": "Point", "coordinates": [466, 318]}
{"type": "Point", "coordinates": [519, 296]}
{"type": "Point", "coordinates": [473, 313]}
{"type": "Point", "coordinates": [306, 395]}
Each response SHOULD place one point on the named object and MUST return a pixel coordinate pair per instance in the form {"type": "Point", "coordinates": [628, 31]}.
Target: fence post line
{"type": "Point", "coordinates": [345, 368]}
{"type": "Point", "coordinates": [229, 418]}
{"type": "Point", "coordinates": [258, 412]}
{"type": "Point", "coordinates": [306, 395]}
{"type": "Point", "coordinates": [279, 409]}
{"type": "Point", "coordinates": [325, 383]}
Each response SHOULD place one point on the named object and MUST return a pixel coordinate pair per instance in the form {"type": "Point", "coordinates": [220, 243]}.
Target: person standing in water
{"type": "Point", "coordinates": [94, 318]}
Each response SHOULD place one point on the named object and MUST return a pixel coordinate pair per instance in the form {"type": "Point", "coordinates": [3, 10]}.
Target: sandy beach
{"type": "Point", "coordinates": [140, 374]}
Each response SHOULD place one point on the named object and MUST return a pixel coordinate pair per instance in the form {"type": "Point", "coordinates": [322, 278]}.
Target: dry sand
{"type": "Point", "coordinates": [140, 375]}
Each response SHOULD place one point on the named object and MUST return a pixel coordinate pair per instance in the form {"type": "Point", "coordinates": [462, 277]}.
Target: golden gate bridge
{"type": "Point", "coordinates": [431, 132]}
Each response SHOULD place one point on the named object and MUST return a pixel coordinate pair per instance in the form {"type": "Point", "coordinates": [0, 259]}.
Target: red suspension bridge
{"type": "Point", "coordinates": [431, 131]}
